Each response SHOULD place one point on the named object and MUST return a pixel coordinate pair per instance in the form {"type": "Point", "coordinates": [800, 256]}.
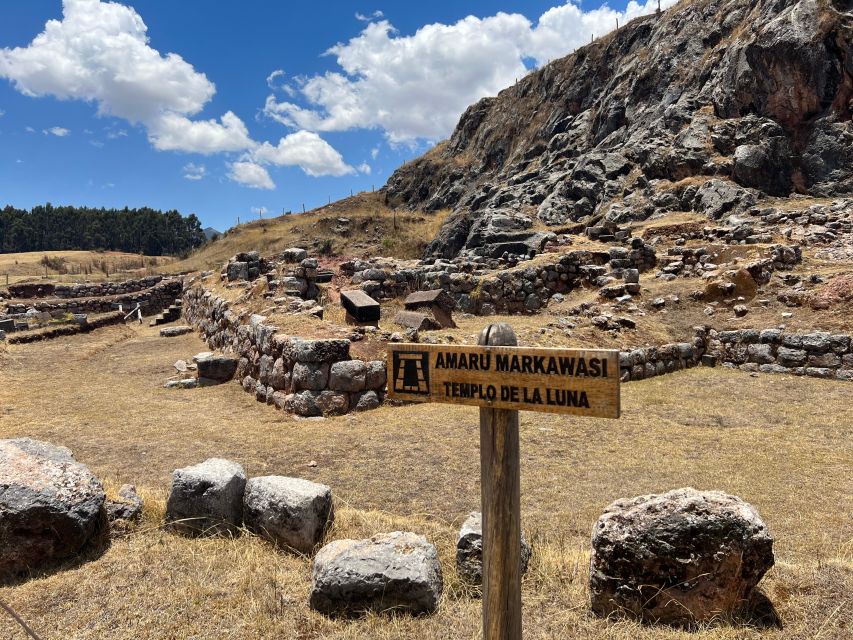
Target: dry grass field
{"type": "Point", "coordinates": [373, 230]}
{"type": "Point", "coordinates": [785, 445]}
{"type": "Point", "coordinates": [76, 266]}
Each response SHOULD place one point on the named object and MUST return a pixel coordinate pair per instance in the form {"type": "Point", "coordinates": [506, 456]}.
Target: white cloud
{"type": "Point", "coordinates": [364, 168]}
{"type": "Point", "coordinates": [374, 152]}
{"type": "Point", "coordinates": [59, 132]}
{"type": "Point", "coordinates": [29, 130]}
{"type": "Point", "coordinates": [304, 149]}
{"type": "Point", "coordinates": [113, 135]}
{"type": "Point", "coordinates": [563, 29]}
{"type": "Point", "coordinates": [415, 87]}
{"type": "Point", "coordinates": [193, 171]}
{"type": "Point", "coordinates": [96, 143]}
{"type": "Point", "coordinates": [174, 132]}
{"type": "Point", "coordinates": [364, 18]}
{"type": "Point", "coordinates": [251, 175]}
{"type": "Point", "coordinates": [2, 113]}
{"type": "Point", "coordinates": [99, 52]}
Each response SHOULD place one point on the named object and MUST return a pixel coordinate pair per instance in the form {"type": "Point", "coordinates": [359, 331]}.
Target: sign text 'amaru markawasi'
{"type": "Point", "coordinates": [574, 381]}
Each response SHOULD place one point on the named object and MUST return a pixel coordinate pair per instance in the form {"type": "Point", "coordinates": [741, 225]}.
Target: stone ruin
{"type": "Point", "coordinates": [680, 558]}
{"type": "Point", "coordinates": [427, 310]}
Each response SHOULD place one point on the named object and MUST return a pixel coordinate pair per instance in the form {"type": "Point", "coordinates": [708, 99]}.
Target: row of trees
{"type": "Point", "coordinates": [146, 231]}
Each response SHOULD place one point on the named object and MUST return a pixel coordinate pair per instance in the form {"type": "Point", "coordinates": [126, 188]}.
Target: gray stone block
{"type": "Point", "coordinates": [679, 558]}
{"type": "Point", "coordinates": [396, 571]}
{"type": "Point", "coordinates": [791, 357]}
{"type": "Point", "coordinates": [348, 375]}
{"type": "Point", "coordinates": [819, 342]}
{"type": "Point", "coordinates": [217, 368]}
{"type": "Point", "coordinates": [238, 271]}
{"type": "Point", "coordinates": [376, 376]}
{"type": "Point", "coordinates": [303, 404]}
{"type": "Point", "coordinates": [298, 350]}
{"type": "Point", "coordinates": [207, 498]}
{"type": "Point", "coordinates": [333, 403]}
{"type": "Point", "coordinates": [760, 353]}
{"type": "Point", "coordinates": [469, 550]}
{"type": "Point", "coordinates": [310, 376]}
{"type": "Point", "coordinates": [364, 401]}
{"type": "Point", "coordinates": [290, 512]}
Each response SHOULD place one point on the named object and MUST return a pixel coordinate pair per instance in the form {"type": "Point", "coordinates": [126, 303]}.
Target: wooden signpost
{"type": "Point", "coordinates": [502, 378]}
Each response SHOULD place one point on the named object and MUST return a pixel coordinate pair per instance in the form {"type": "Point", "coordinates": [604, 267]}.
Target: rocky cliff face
{"type": "Point", "coordinates": [710, 106]}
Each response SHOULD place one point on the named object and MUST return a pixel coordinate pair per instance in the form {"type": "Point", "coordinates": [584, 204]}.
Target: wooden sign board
{"type": "Point", "coordinates": [574, 381]}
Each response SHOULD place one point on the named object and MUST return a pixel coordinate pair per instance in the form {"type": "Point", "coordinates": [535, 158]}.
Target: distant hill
{"type": "Point", "coordinates": [210, 233]}
{"type": "Point", "coordinates": [358, 226]}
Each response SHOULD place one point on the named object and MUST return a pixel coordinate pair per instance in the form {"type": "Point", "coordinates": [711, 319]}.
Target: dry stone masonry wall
{"type": "Point", "coordinates": [525, 288]}
{"type": "Point", "coordinates": [152, 299]}
{"type": "Point", "coordinates": [306, 377]}
{"type": "Point", "coordinates": [816, 354]}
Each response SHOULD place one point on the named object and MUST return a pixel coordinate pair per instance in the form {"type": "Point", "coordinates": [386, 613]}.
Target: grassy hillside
{"type": "Point", "coordinates": [373, 229]}
{"type": "Point", "coordinates": [76, 266]}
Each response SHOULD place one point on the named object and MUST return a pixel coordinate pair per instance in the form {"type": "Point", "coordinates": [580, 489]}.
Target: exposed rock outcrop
{"type": "Point", "coordinates": [753, 97]}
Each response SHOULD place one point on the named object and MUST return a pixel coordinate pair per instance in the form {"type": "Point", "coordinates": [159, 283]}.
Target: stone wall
{"type": "Point", "coordinates": [157, 297]}
{"type": "Point", "coordinates": [816, 354]}
{"type": "Point", "coordinates": [525, 288]}
{"type": "Point", "coordinates": [306, 377]}
{"type": "Point", "coordinates": [82, 290]}
{"type": "Point", "coordinates": [104, 320]}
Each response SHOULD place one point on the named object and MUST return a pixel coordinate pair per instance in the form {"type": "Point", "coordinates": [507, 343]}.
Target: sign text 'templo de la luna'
{"type": "Point", "coordinates": [575, 381]}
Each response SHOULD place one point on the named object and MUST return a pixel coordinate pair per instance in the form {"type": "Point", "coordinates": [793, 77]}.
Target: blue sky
{"type": "Point", "coordinates": [229, 108]}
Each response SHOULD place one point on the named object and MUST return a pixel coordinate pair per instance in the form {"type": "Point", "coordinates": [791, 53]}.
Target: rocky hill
{"type": "Point", "coordinates": [711, 106]}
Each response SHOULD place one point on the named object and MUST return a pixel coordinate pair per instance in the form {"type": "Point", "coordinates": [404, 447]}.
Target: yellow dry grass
{"type": "Point", "coordinates": [785, 446]}
{"type": "Point", "coordinates": [76, 266]}
{"type": "Point", "coordinates": [374, 230]}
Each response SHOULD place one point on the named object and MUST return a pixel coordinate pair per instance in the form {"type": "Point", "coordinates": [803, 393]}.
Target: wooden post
{"type": "Point", "coordinates": [501, 505]}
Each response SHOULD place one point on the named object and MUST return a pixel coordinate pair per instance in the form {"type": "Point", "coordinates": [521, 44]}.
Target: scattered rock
{"type": "Point", "coordinates": [50, 505]}
{"type": "Point", "coordinates": [128, 507]}
{"type": "Point", "coordinates": [290, 512]}
{"type": "Point", "coordinates": [182, 383]}
{"type": "Point", "coordinates": [682, 557]}
{"type": "Point", "coordinates": [398, 571]}
{"type": "Point", "coordinates": [469, 550]}
{"type": "Point", "coordinates": [207, 498]}
{"type": "Point", "coordinates": [173, 332]}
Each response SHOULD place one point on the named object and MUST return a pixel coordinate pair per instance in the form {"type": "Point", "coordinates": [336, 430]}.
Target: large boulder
{"type": "Point", "coordinates": [290, 512]}
{"type": "Point", "coordinates": [678, 558]}
{"type": "Point", "coordinates": [469, 550]}
{"type": "Point", "coordinates": [398, 570]}
{"type": "Point", "coordinates": [50, 505]}
{"type": "Point", "coordinates": [207, 498]}
{"type": "Point", "coordinates": [215, 368]}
